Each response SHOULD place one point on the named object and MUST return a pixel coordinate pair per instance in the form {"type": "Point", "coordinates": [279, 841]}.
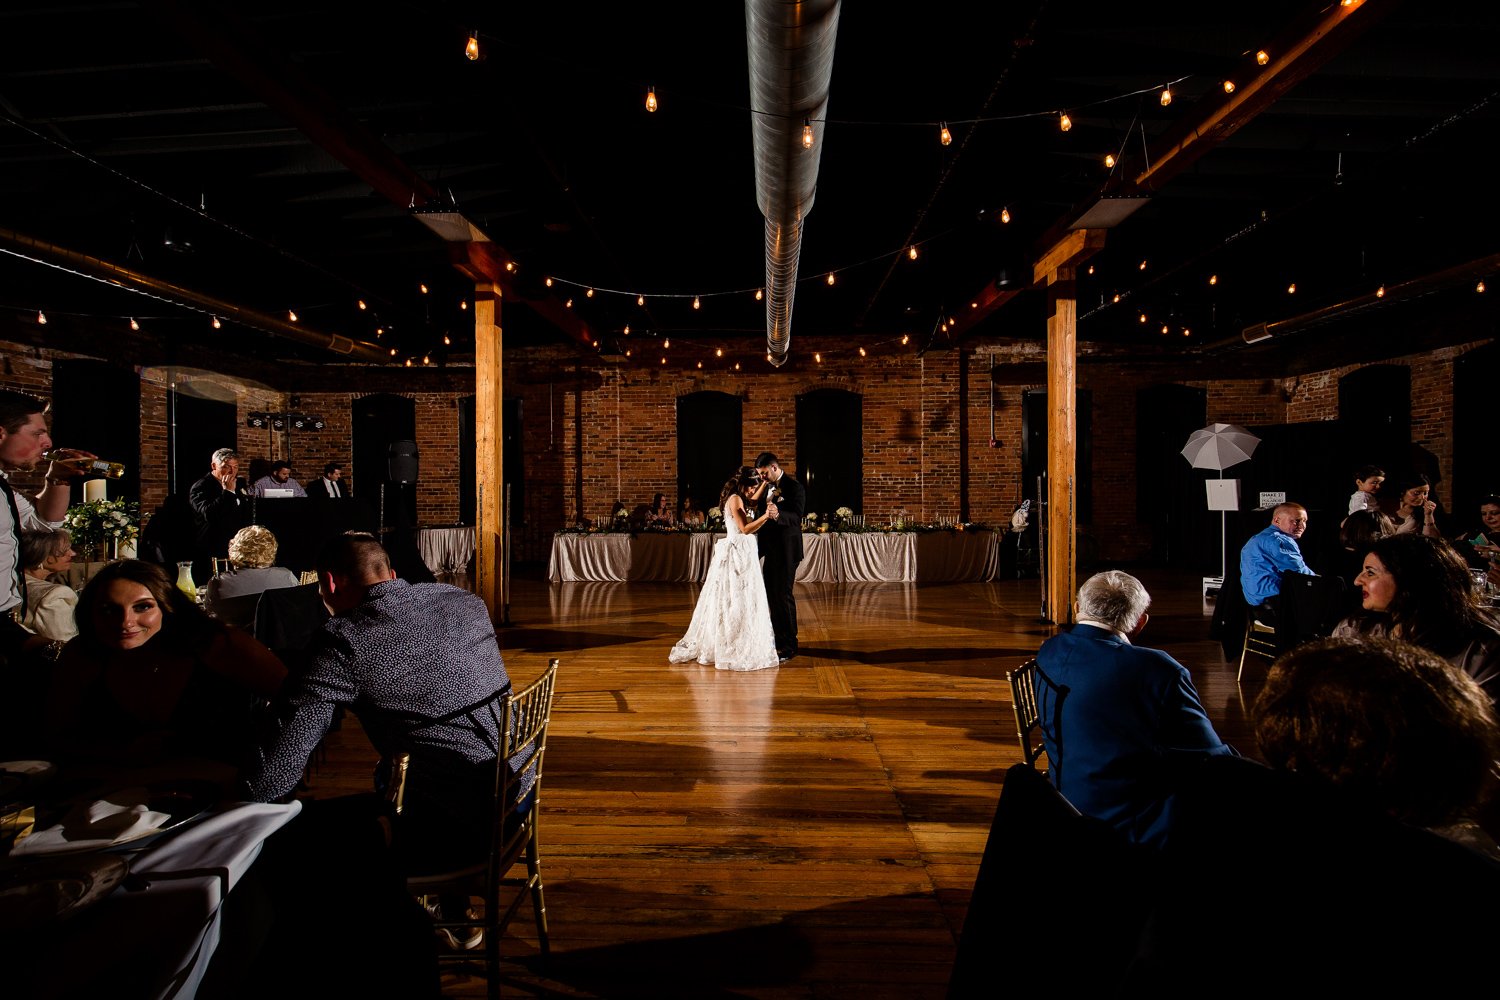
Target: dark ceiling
{"type": "Point", "coordinates": [230, 150]}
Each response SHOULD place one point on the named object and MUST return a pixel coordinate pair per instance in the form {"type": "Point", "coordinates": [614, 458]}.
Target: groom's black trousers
{"type": "Point", "coordinates": [780, 574]}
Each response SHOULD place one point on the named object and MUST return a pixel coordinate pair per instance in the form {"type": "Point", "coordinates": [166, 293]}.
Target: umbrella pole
{"type": "Point", "coordinates": [1223, 540]}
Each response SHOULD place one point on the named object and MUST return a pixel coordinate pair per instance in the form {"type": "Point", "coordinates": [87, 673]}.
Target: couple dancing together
{"type": "Point", "coordinates": [746, 618]}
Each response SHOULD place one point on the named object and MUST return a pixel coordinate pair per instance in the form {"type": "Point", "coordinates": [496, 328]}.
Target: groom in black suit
{"type": "Point", "coordinates": [780, 543]}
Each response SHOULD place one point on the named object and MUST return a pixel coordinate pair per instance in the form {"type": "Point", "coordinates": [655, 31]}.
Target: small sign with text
{"type": "Point", "coordinates": [1271, 499]}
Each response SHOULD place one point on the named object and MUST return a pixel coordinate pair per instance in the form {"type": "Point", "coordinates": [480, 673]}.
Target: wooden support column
{"type": "Point", "coordinates": [1056, 269]}
{"type": "Point", "coordinates": [489, 441]}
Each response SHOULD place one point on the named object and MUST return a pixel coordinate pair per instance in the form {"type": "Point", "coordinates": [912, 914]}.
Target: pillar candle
{"type": "Point", "coordinates": [93, 489]}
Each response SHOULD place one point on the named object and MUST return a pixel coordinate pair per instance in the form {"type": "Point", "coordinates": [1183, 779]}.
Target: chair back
{"type": "Point", "coordinates": [1028, 719]}
{"type": "Point", "coordinates": [518, 770]}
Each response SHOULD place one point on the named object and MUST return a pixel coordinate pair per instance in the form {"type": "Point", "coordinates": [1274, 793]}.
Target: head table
{"type": "Point", "coordinates": [828, 557]}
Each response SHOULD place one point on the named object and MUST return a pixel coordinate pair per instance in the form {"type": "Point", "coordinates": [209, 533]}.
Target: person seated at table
{"type": "Point", "coordinates": [1268, 554]}
{"type": "Point", "coordinates": [1480, 545]}
{"type": "Point", "coordinates": [690, 514]}
{"type": "Point", "coordinates": [1416, 512]}
{"type": "Point", "coordinates": [1417, 589]}
{"type": "Point", "coordinates": [230, 596]}
{"type": "Point", "coordinates": [1120, 721]}
{"type": "Point", "coordinates": [49, 600]}
{"type": "Point", "coordinates": [278, 478]}
{"type": "Point", "coordinates": [150, 675]}
{"type": "Point", "coordinates": [1388, 723]}
{"type": "Point", "coordinates": [420, 666]}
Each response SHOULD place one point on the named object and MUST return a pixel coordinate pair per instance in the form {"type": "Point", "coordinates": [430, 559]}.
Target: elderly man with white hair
{"type": "Point", "coordinates": [1120, 721]}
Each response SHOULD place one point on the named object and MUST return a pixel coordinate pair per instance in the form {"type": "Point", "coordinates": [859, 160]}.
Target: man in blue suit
{"type": "Point", "coordinates": [1120, 721]}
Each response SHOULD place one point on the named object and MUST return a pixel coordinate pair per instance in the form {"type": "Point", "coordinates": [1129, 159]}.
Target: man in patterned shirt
{"type": "Point", "coordinates": [420, 666]}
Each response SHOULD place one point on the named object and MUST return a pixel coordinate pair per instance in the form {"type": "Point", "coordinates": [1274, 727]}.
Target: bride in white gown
{"type": "Point", "coordinates": [731, 626]}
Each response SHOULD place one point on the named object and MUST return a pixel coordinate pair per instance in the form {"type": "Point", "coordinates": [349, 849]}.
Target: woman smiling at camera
{"type": "Point", "coordinates": [1416, 588]}
{"type": "Point", "coordinates": [150, 675]}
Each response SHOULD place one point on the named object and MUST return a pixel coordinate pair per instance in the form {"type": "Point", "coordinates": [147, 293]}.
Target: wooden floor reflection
{"type": "Point", "coordinates": [807, 831]}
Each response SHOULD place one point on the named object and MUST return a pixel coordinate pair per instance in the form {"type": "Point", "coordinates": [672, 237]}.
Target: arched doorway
{"type": "Point", "coordinates": [830, 449]}
{"type": "Point", "coordinates": [710, 444]}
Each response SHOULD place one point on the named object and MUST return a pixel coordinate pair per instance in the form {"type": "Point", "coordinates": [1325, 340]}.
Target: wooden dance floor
{"type": "Point", "coordinates": [807, 831]}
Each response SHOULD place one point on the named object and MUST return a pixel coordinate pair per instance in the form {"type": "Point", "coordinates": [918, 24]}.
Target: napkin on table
{"type": "Point", "coordinates": [122, 817]}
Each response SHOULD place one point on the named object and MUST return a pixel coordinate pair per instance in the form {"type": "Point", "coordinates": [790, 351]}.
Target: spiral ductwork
{"type": "Point", "coordinates": [791, 65]}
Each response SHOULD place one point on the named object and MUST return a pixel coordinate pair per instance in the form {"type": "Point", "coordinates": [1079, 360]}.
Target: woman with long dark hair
{"type": "Point", "coordinates": [1417, 589]}
{"type": "Point", "coordinates": [151, 675]}
{"type": "Point", "coordinates": [731, 626]}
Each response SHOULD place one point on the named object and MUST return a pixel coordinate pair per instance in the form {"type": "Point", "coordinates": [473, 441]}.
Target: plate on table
{"type": "Point", "coordinates": [171, 804]}
{"type": "Point", "coordinates": [36, 893]}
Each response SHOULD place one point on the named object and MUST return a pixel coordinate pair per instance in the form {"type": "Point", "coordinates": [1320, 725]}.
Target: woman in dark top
{"type": "Point", "coordinates": [150, 675]}
{"type": "Point", "coordinates": [1417, 589]}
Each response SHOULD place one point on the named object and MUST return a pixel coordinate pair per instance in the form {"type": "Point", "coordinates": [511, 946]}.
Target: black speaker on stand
{"type": "Point", "coordinates": [400, 539]}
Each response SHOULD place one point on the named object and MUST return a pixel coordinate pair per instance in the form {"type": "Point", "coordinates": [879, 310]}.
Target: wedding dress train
{"type": "Point", "coordinates": [731, 626]}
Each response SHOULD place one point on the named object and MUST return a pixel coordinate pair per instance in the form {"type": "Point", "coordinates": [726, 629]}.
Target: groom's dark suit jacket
{"type": "Point", "coordinates": [782, 538]}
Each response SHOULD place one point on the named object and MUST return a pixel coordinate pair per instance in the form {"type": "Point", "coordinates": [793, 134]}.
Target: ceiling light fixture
{"type": "Point", "coordinates": [807, 134]}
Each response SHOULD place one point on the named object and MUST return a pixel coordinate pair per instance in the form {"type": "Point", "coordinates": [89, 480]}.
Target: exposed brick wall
{"type": "Point", "coordinates": [595, 432]}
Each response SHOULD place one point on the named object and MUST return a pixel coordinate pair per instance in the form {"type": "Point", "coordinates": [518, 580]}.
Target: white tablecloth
{"type": "Point", "coordinates": [446, 550]}
{"type": "Point", "coordinates": [161, 933]}
{"type": "Point", "coordinates": [831, 557]}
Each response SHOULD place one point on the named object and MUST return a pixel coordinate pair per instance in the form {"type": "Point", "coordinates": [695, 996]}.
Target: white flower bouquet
{"type": "Point", "coordinates": [97, 522]}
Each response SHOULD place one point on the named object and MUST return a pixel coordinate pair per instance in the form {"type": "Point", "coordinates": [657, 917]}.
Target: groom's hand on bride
{"type": "Point", "coordinates": [771, 512]}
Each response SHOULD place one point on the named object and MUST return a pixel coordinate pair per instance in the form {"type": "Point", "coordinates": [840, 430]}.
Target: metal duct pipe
{"type": "Point", "coordinates": [109, 273]}
{"type": "Point", "coordinates": [791, 64]}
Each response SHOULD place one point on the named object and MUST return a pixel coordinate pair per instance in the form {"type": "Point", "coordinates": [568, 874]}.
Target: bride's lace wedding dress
{"type": "Point", "coordinates": [731, 626]}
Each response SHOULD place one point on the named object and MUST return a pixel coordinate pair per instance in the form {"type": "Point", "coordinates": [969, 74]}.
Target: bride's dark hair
{"type": "Point", "coordinates": [743, 476]}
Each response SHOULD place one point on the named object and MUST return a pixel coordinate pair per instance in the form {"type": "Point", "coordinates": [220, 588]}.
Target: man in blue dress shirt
{"type": "Point", "coordinates": [1120, 721]}
{"type": "Point", "coordinates": [1270, 553]}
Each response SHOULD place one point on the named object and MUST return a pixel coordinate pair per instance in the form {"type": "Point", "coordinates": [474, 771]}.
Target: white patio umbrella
{"type": "Point", "coordinates": [1218, 446]}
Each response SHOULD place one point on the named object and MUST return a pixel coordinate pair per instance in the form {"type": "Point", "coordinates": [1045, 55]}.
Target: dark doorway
{"type": "Point", "coordinates": [468, 498]}
{"type": "Point", "coordinates": [1034, 448]}
{"type": "Point", "coordinates": [710, 445]}
{"type": "Point", "coordinates": [96, 407]}
{"type": "Point", "coordinates": [830, 450]}
{"type": "Point", "coordinates": [1474, 474]}
{"type": "Point", "coordinates": [198, 426]}
{"type": "Point", "coordinates": [1169, 493]}
{"type": "Point", "coordinates": [1375, 426]}
{"type": "Point", "coordinates": [379, 421]}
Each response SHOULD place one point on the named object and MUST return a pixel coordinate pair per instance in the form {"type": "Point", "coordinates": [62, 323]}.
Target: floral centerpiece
{"type": "Point", "coordinates": [842, 515]}
{"type": "Point", "coordinates": [715, 518]}
{"type": "Point", "coordinates": [95, 524]}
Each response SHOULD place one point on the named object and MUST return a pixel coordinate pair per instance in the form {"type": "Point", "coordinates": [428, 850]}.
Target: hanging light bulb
{"type": "Point", "coordinates": [1091, 269]}
{"type": "Point", "coordinates": [133, 324]}
{"type": "Point", "coordinates": [912, 253]}
{"type": "Point", "coordinates": [408, 362]}
{"type": "Point", "coordinates": [830, 277]}
{"type": "Point", "coordinates": [361, 304]}
{"type": "Point", "coordinates": [1166, 96]}
{"type": "Point", "coordinates": [667, 344]}
{"type": "Point", "coordinates": [807, 134]}
{"type": "Point", "coordinates": [627, 329]}
{"type": "Point", "coordinates": [700, 364]}
{"type": "Point", "coordinates": [422, 288]}
{"type": "Point", "coordinates": [697, 304]}
{"type": "Point", "coordinates": [217, 324]}
{"type": "Point", "coordinates": [718, 352]}
{"type": "Point", "coordinates": [905, 338]}
{"type": "Point", "coordinates": [1065, 123]}
{"type": "Point", "coordinates": [1143, 265]}
{"type": "Point", "coordinates": [589, 294]}
{"type": "Point", "coordinates": [596, 343]}
{"type": "Point", "coordinates": [1213, 279]}
{"type": "Point", "coordinates": [463, 305]}
{"type": "Point", "coordinates": [1143, 317]}
{"type": "Point", "coordinates": [944, 136]}
{"type": "Point", "coordinates": [379, 331]}
{"type": "Point", "coordinates": [760, 293]}
{"type": "Point", "coordinates": [1479, 288]}
{"type": "Point", "coordinates": [1164, 329]}
{"type": "Point", "coordinates": [1117, 298]}
{"type": "Point", "coordinates": [862, 352]}
{"type": "Point", "coordinates": [817, 357]}
{"type": "Point", "coordinates": [1380, 292]}
{"type": "Point", "coordinates": [471, 49]}
{"type": "Point", "coordinates": [768, 355]}
{"type": "Point", "coordinates": [291, 314]}
{"type": "Point", "coordinates": [736, 366]}
{"type": "Point", "coordinates": [640, 300]}
{"type": "Point", "coordinates": [1228, 86]}
{"type": "Point", "coordinates": [663, 360]}
{"type": "Point", "coordinates": [627, 352]}
{"type": "Point", "coordinates": [510, 265]}
{"type": "Point", "coordinates": [1262, 57]}
{"type": "Point", "coordinates": [1109, 160]}
{"type": "Point", "coordinates": [393, 352]}
{"type": "Point", "coordinates": [41, 318]}
{"type": "Point", "coordinates": [1292, 288]}
{"type": "Point", "coordinates": [548, 281]}
{"type": "Point", "coordinates": [426, 359]}
{"type": "Point", "coordinates": [1005, 215]}
{"type": "Point", "coordinates": [650, 98]}
{"type": "Point", "coordinates": [447, 340]}
{"type": "Point", "coordinates": [568, 304]}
